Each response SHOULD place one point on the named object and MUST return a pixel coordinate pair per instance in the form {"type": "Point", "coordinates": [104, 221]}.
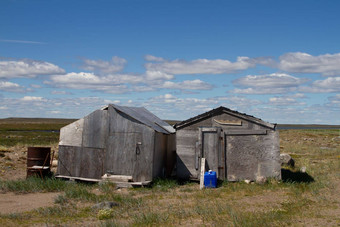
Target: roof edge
{"type": "Point", "coordinates": [219, 110]}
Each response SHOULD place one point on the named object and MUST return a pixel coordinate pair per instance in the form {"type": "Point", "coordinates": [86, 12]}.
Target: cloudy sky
{"type": "Point", "coordinates": [276, 60]}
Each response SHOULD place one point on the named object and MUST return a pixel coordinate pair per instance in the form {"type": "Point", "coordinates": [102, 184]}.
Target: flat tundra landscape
{"type": "Point", "coordinates": [308, 195]}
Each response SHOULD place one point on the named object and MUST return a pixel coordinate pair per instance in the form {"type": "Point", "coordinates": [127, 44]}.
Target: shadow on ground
{"type": "Point", "coordinates": [295, 177]}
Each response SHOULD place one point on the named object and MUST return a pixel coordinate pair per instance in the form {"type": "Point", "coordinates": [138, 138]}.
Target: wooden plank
{"type": "Point", "coordinates": [202, 173]}
{"type": "Point", "coordinates": [218, 154]}
{"type": "Point", "coordinates": [197, 155]}
{"type": "Point", "coordinates": [208, 129]}
{"type": "Point", "coordinates": [78, 178]}
{"type": "Point", "coordinates": [229, 122]}
{"type": "Point", "coordinates": [245, 132]}
{"type": "Point", "coordinates": [117, 178]}
{"type": "Point", "coordinates": [200, 142]}
{"type": "Point", "coordinates": [222, 155]}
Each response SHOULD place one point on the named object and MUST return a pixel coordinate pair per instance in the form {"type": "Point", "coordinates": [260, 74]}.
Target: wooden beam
{"type": "Point", "coordinates": [117, 178]}
{"type": "Point", "coordinates": [229, 122]}
{"type": "Point", "coordinates": [202, 173]}
{"type": "Point", "coordinates": [245, 132]}
{"type": "Point", "coordinates": [79, 178]}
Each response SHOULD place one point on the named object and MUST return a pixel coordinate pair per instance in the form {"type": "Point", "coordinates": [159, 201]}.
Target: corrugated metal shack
{"type": "Point", "coordinates": [117, 140]}
{"type": "Point", "coordinates": [235, 145]}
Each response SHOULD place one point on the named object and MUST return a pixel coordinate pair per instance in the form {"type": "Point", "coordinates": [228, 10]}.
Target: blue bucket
{"type": "Point", "coordinates": [210, 179]}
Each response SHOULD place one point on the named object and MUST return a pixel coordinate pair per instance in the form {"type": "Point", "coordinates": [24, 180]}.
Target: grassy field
{"type": "Point", "coordinates": [300, 199]}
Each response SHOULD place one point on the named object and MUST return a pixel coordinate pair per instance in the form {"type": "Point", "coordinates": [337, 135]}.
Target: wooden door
{"type": "Point", "coordinates": [123, 152]}
{"type": "Point", "coordinates": [212, 149]}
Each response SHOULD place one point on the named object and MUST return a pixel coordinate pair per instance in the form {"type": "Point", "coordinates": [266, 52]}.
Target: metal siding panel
{"type": "Point", "coordinates": [122, 153]}
{"type": "Point", "coordinates": [71, 135]}
{"type": "Point", "coordinates": [253, 155]}
{"type": "Point", "coordinates": [69, 161]}
{"type": "Point", "coordinates": [143, 116]}
{"type": "Point", "coordinates": [92, 163]}
{"type": "Point", "coordinates": [96, 129]}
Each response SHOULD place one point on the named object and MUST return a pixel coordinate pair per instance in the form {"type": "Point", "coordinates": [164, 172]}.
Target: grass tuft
{"type": "Point", "coordinates": [33, 184]}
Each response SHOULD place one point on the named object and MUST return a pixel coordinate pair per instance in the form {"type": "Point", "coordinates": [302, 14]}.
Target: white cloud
{"type": "Point", "coordinates": [20, 41]}
{"type": "Point", "coordinates": [157, 75]}
{"type": "Point", "coordinates": [169, 106]}
{"type": "Point", "coordinates": [32, 98]}
{"type": "Point", "coordinates": [55, 112]}
{"type": "Point", "coordinates": [109, 84]}
{"type": "Point", "coordinates": [334, 101]}
{"type": "Point", "coordinates": [329, 85]}
{"type": "Point", "coordinates": [327, 64]}
{"type": "Point", "coordinates": [34, 106]}
{"type": "Point", "coordinates": [274, 80]}
{"type": "Point", "coordinates": [115, 65]}
{"type": "Point", "coordinates": [27, 68]}
{"type": "Point", "coordinates": [188, 85]}
{"type": "Point", "coordinates": [60, 92]}
{"type": "Point", "coordinates": [153, 58]}
{"type": "Point", "coordinates": [284, 101]}
{"type": "Point", "coordinates": [11, 87]}
{"type": "Point", "coordinates": [261, 91]}
{"type": "Point", "coordinates": [122, 83]}
{"type": "Point", "coordinates": [35, 86]}
{"type": "Point", "coordinates": [201, 66]}
{"type": "Point", "coordinates": [275, 83]}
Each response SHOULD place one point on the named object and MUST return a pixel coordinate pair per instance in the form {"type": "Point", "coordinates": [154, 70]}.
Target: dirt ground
{"type": "Point", "coordinates": [16, 203]}
{"type": "Point", "coordinates": [13, 162]}
{"type": "Point", "coordinates": [13, 167]}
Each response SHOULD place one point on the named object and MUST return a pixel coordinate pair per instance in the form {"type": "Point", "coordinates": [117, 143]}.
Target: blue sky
{"type": "Point", "coordinates": [276, 60]}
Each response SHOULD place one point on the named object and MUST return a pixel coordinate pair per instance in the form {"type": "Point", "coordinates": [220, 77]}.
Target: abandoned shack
{"type": "Point", "coordinates": [119, 141]}
{"type": "Point", "coordinates": [235, 145]}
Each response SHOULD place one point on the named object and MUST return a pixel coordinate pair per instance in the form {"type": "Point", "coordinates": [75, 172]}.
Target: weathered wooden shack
{"type": "Point", "coordinates": [235, 145]}
{"type": "Point", "coordinates": [117, 140]}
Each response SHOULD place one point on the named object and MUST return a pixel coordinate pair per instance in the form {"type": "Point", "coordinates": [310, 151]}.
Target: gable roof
{"type": "Point", "coordinates": [221, 110]}
{"type": "Point", "coordinates": [145, 117]}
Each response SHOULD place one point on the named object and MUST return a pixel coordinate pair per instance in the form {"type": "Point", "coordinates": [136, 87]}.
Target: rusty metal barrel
{"type": "Point", "coordinates": [38, 161]}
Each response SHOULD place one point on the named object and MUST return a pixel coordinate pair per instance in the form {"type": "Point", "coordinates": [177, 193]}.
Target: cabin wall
{"type": "Point", "coordinates": [252, 156]}
{"type": "Point", "coordinates": [110, 141]}
{"type": "Point", "coordinates": [137, 160]}
{"type": "Point", "coordinates": [82, 146]}
{"type": "Point", "coordinates": [247, 156]}
{"type": "Point", "coordinates": [187, 153]}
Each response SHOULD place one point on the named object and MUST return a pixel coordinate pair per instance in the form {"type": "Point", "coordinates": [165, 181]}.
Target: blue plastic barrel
{"type": "Point", "coordinates": [210, 179]}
